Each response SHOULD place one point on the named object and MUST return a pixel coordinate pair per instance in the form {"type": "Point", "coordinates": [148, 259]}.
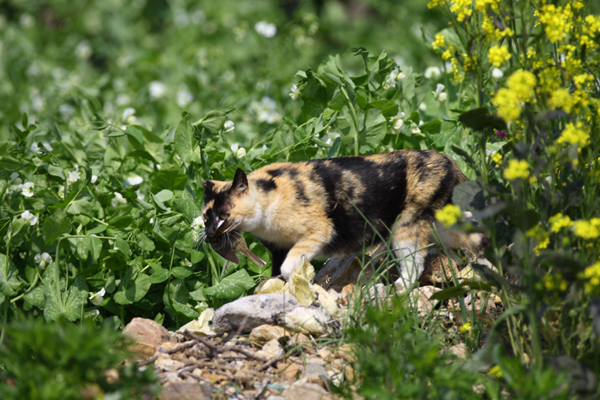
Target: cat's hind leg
{"type": "Point", "coordinates": [410, 242]}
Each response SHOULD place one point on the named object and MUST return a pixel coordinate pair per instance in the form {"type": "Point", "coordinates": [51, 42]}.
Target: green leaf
{"type": "Point", "coordinates": [159, 276]}
{"type": "Point", "coordinates": [214, 120]}
{"type": "Point", "coordinates": [186, 145]}
{"type": "Point", "coordinates": [35, 297]}
{"type": "Point", "coordinates": [81, 206]}
{"type": "Point", "coordinates": [231, 286]}
{"type": "Point", "coordinates": [55, 225]}
{"type": "Point", "coordinates": [10, 164]}
{"type": "Point", "coordinates": [121, 221]}
{"type": "Point", "coordinates": [164, 195]}
{"type": "Point", "coordinates": [388, 108]}
{"type": "Point", "coordinates": [132, 288]}
{"type": "Point", "coordinates": [177, 295]}
{"type": "Point", "coordinates": [142, 139]}
{"type": "Point", "coordinates": [9, 284]}
{"type": "Point", "coordinates": [408, 84]}
{"type": "Point", "coordinates": [480, 118]}
{"type": "Point", "coordinates": [18, 229]}
{"type": "Point", "coordinates": [432, 127]}
{"type": "Point", "coordinates": [171, 178]}
{"type": "Point", "coordinates": [55, 171]}
{"type": "Point", "coordinates": [182, 272]}
{"type": "Point", "coordinates": [373, 131]}
{"type": "Point", "coordinates": [67, 305]}
{"type": "Point", "coordinates": [448, 293]}
{"type": "Point", "coordinates": [469, 196]}
{"type": "Point", "coordinates": [145, 242]}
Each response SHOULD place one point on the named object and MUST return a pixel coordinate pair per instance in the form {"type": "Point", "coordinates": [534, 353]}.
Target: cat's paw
{"type": "Point", "coordinates": [288, 266]}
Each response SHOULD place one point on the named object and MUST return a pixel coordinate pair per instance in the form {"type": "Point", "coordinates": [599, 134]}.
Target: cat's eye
{"type": "Point", "coordinates": [224, 216]}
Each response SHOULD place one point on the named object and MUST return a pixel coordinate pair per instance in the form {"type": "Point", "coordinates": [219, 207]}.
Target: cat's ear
{"type": "Point", "coordinates": [240, 182]}
{"type": "Point", "coordinates": [208, 185]}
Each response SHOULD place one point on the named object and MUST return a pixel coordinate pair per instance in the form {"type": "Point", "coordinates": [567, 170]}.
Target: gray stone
{"type": "Point", "coordinates": [186, 391]}
{"type": "Point", "coordinates": [249, 312]}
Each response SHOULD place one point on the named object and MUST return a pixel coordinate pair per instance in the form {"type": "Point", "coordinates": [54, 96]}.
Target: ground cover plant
{"type": "Point", "coordinates": [111, 115]}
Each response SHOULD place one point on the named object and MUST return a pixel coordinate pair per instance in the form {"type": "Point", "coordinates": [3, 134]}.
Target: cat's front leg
{"type": "Point", "coordinates": [308, 248]}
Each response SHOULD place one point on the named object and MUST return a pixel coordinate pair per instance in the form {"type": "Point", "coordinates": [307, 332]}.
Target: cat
{"type": "Point", "coordinates": [320, 207]}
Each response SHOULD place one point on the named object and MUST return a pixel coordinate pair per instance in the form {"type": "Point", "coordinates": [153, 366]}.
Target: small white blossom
{"type": "Point", "coordinates": [97, 298]}
{"type": "Point", "coordinates": [15, 179]}
{"type": "Point", "coordinates": [134, 179]}
{"type": "Point", "coordinates": [238, 150]}
{"type": "Point", "coordinates": [265, 29]}
{"type": "Point", "coordinates": [439, 94]}
{"type": "Point", "coordinates": [122, 100]}
{"type": "Point", "coordinates": [497, 73]}
{"type": "Point", "coordinates": [61, 192]}
{"type": "Point", "coordinates": [157, 89]}
{"type": "Point", "coordinates": [83, 50]}
{"type": "Point", "coordinates": [432, 73]}
{"type": "Point", "coordinates": [414, 129]}
{"type": "Point", "coordinates": [34, 147]}
{"type": "Point", "coordinates": [128, 112]}
{"type": "Point", "coordinates": [27, 189]}
{"type": "Point", "coordinates": [295, 93]}
{"type": "Point", "coordinates": [140, 196]}
{"type": "Point", "coordinates": [184, 97]}
{"type": "Point", "coordinates": [198, 223]}
{"type": "Point", "coordinates": [66, 111]}
{"type": "Point", "coordinates": [229, 126]}
{"type": "Point", "coordinates": [422, 106]}
{"type": "Point", "coordinates": [118, 199]}
{"type": "Point", "coordinates": [397, 123]}
{"type": "Point", "coordinates": [94, 178]}
{"type": "Point", "coordinates": [32, 218]}
{"type": "Point", "coordinates": [43, 259]}
{"type": "Point", "coordinates": [26, 20]}
{"type": "Point", "coordinates": [265, 110]}
{"type": "Point", "coordinates": [72, 177]}
{"type": "Point", "coordinates": [152, 220]}
{"type": "Point", "coordinates": [393, 77]}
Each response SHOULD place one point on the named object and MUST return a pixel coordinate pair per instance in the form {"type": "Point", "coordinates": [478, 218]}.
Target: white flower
{"type": "Point", "coordinates": [140, 196]}
{"type": "Point", "coordinates": [128, 112]}
{"type": "Point", "coordinates": [295, 93]}
{"type": "Point", "coordinates": [34, 147]}
{"type": "Point", "coordinates": [392, 78]}
{"type": "Point", "coordinates": [157, 89]}
{"type": "Point", "coordinates": [198, 223]}
{"type": "Point", "coordinates": [118, 199]}
{"type": "Point", "coordinates": [66, 111]}
{"type": "Point", "coordinates": [397, 123]}
{"type": "Point", "coordinates": [152, 220]}
{"type": "Point", "coordinates": [72, 177]}
{"type": "Point", "coordinates": [439, 94]}
{"type": "Point", "coordinates": [497, 73]}
{"type": "Point", "coordinates": [32, 218]}
{"type": "Point", "coordinates": [265, 29]}
{"type": "Point", "coordinates": [134, 179]}
{"type": "Point", "coordinates": [26, 20]}
{"type": "Point", "coordinates": [432, 73]}
{"type": "Point", "coordinates": [184, 97]}
{"type": "Point", "coordinates": [94, 178]}
{"type": "Point", "coordinates": [83, 50]}
{"type": "Point", "coordinates": [27, 189]}
{"type": "Point", "coordinates": [43, 259]}
{"type": "Point", "coordinates": [229, 126]}
{"type": "Point", "coordinates": [238, 150]}
{"type": "Point", "coordinates": [97, 298]}
{"type": "Point", "coordinates": [422, 106]}
{"type": "Point", "coordinates": [414, 129]}
{"type": "Point", "coordinates": [14, 178]}
{"type": "Point", "coordinates": [265, 110]}
{"type": "Point", "coordinates": [61, 191]}
{"type": "Point", "coordinates": [122, 100]}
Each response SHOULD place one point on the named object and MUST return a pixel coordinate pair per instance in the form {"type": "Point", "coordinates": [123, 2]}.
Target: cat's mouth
{"type": "Point", "coordinates": [225, 226]}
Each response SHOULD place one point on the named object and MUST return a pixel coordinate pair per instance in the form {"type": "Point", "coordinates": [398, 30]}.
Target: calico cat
{"type": "Point", "coordinates": [321, 207]}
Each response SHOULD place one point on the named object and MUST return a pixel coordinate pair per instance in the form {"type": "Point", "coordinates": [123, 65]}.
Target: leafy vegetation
{"type": "Point", "coordinates": [112, 114]}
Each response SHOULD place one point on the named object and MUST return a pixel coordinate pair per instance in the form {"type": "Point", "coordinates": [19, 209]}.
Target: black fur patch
{"type": "Point", "coordinates": [266, 184]}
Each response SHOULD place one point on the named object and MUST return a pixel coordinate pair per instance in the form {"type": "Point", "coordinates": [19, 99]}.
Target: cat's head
{"type": "Point", "coordinates": [226, 204]}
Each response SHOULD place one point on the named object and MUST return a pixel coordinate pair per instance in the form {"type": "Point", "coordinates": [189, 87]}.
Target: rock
{"type": "Point", "coordinates": [271, 349]}
{"type": "Point", "coordinates": [290, 371]}
{"type": "Point", "coordinates": [313, 321]}
{"type": "Point", "coordinates": [420, 298]}
{"type": "Point", "coordinates": [264, 333]}
{"type": "Point", "coordinates": [315, 373]}
{"type": "Point", "coordinates": [307, 391]}
{"type": "Point", "coordinates": [459, 350]}
{"type": "Point", "coordinates": [147, 334]}
{"type": "Point", "coordinates": [249, 312]}
{"type": "Point", "coordinates": [186, 391]}
{"type": "Point", "coordinates": [165, 363]}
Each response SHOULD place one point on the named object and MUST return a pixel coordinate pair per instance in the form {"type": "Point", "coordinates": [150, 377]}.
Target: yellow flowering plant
{"type": "Point", "coordinates": [533, 107]}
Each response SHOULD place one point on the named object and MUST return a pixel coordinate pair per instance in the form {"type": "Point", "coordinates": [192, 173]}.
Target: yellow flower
{"type": "Point", "coordinates": [516, 169]}
{"type": "Point", "coordinates": [561, 98]}
{"type": "Point", "coordinates": [461, 9]}
{"type": "Point", "coordinates": [448, 215]}
{"type": "Point", "coordinates": [530, 52]}
{"type": "Point", "coordinates": [574, 134]}
{"type": "Point", "coordinates": [522, 83]}
{"type": "Point", "coordinates": [582, 78]}
{"type": "Point", "coordinates": [439, 41]}
{"type": "Point", "coordinates": [558, 21]}
{"type": "Point", "coordinates": [457, 75]}
{"type": "Point", "coordinates": [559, 221]}
{"type": "Point", "coordinates": [446, 55]}
{"type": "Point", "coordinates": [555, 282]}
{"type": "Point", "coordinates": [507, 104]}
{"type": "Point", "coordinates": [434, 3]}
{"type": "Point", "coordinates": [465, 328]}
{"type": "Point", "coordinates": [587, 229]}
{"type": "Point", "coordinates": [495, 371]}
{"type": "Point", "coordinates": [497, 55]}
{"type": "Point", "coordinates": [497, 158]}
{"type": "Point", "coordinates": [592, 274]}
{"type": "Point", "coordinates": [541, 236]}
